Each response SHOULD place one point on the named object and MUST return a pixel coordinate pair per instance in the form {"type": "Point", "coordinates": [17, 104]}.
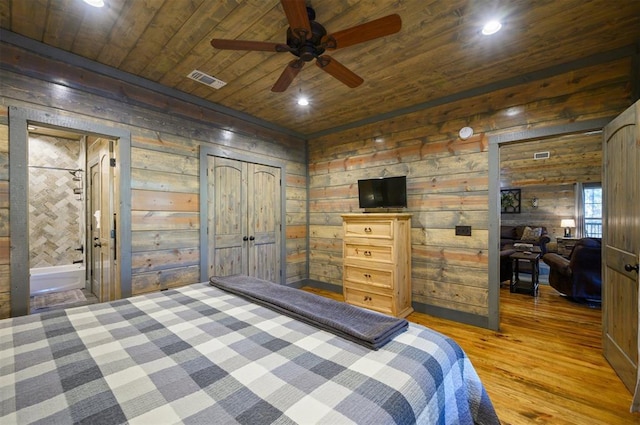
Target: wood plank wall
{"type": "Point", "coordinates": [447, 178]}
{"type": "Point", "coordinates": [164, 167]}
{"type": "Point", "coordinates": [5, 299]}
{"type": "Point", "coordinates": [573, 158]}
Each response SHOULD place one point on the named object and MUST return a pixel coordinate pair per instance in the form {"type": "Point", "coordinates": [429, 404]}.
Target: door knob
{"type": "Point", "coordinates": [629, 267]}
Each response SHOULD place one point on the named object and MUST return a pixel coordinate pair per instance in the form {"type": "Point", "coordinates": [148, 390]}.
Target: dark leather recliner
{"type": "Point", "coordinates": [580, 276]}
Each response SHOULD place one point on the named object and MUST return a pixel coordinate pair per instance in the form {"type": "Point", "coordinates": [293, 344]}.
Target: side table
{"type": "Point", "coordinates": [534, 259]}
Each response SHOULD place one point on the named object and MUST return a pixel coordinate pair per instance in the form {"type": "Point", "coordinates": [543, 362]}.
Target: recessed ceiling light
{"type": "Point", "coordinates": [95, 3]}
{"type": "Point", "coordinates": [303, 101]}
{"type": "Point", "coordinates": [491, 27]}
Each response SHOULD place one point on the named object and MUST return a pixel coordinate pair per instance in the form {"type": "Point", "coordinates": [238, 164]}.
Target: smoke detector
{"type": "Point", "coordinates": [465, 133]}
{"type": "Point", "coordinates": [206, 79]}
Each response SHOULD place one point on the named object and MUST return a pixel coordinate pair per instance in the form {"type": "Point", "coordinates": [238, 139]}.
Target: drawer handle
{"type": "Point", "coordinates": [367, 298]}
{"type": "Point", "coordinates": [367, 275]}
{"type": "Point", "coordinates": [367, 229]}
{"type": "Point", "coordinates": [367, 253]}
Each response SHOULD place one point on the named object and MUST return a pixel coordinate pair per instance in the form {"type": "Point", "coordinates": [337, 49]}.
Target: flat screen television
{"type": "Point", "coordinates": [384, 192]}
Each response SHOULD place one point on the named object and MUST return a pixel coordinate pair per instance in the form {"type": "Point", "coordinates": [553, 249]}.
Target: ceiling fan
{"type": "Point", "coordinates": [308, 40]}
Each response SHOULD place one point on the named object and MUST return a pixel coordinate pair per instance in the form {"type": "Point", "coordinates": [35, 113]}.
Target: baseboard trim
{"type": "Point", "coordinates": [440, 312]}
{"type": "Point", "coordinates": [318, 285]}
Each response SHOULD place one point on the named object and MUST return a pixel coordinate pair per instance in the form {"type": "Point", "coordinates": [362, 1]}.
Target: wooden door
{"type": "Point", "coordinates": [621, 244]}
{"type": "Point", "coordinates": [264, 222]}
{"type": "Point", "coordinates": [243, 219]}
{"type": "Point", "coordinates": [227, 222]}
{"type": "Point", "coordinates": [101, 210]}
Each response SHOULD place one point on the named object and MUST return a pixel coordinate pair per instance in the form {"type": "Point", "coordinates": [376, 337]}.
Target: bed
{"type": "Point", "coordinates": [201, 355]}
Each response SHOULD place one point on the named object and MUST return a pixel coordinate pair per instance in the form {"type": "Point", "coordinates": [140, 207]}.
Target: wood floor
{"type": "Point", "coordinates": [545, 365]}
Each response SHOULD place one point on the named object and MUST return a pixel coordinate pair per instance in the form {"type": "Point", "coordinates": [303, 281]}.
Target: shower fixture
{"type": "Point", "coordinates": [76, 175]}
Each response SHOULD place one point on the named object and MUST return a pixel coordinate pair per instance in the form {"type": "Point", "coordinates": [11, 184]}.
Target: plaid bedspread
{"type": "Point", "coordinates": [198, 355]}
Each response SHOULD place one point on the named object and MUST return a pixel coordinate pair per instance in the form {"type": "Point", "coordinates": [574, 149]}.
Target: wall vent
{"type": "Point", "coordinates": [541, 155]}
{"type": "Point", "coordinates": [203, 78]}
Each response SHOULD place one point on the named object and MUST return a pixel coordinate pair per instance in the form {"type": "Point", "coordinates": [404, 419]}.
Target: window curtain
{"type": "Point", "coordinates": [579, 209]}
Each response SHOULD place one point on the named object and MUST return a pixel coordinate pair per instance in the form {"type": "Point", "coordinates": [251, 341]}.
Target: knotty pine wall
{"type": "Point", "coordinates": [447, 178]}
{"type": "Point", "coordinates": [573, 158]}
{"type": "Point", "coordinates": [166, 135]}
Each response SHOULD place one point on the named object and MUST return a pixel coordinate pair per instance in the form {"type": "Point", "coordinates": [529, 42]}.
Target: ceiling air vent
{"type": "Point", "coordinates": [541, 155]}
{"type": "Point", "coordinates": [203, 78]}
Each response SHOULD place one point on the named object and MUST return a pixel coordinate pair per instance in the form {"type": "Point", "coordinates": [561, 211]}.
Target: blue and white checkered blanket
{"type": "Point", "coordinates": [200, 355]}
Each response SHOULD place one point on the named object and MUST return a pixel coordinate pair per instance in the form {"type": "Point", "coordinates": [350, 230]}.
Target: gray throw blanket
{"type": "Point", "coordinates": [365, 327]}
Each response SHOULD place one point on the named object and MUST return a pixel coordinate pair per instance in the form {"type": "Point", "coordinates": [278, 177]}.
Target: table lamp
{"type": "Point", "coordinates": [567, 223]}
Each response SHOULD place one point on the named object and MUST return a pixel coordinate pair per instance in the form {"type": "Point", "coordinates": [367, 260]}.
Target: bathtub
{"type": "Point", "coordinates": [56, 279]}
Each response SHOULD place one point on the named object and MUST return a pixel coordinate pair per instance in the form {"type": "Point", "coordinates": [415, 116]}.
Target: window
{"type": "Point", "coordinates": [592, 196]}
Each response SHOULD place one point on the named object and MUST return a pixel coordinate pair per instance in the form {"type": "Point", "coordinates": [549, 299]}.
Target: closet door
{"type": "Point", "coordinates": [264, 222]}
{"type": "Point", "coordinates": [243, 219]}
{"type": "Point", "coordinates": [227, 221]}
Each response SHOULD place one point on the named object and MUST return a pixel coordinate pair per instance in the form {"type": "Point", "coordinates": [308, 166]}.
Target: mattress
{"type": "Point", "coordinates": [199, 355]}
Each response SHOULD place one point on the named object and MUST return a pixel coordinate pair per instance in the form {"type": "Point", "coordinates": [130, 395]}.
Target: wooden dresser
{"type": "Point", "coordinates": [377, 262]}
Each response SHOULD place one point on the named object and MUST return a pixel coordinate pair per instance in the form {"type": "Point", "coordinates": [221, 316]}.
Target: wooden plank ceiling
{"type": "Point", "coordinates": [438, 52]}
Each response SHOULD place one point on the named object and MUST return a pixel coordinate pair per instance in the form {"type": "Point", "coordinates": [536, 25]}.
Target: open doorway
{"type": "Point", "coordinates": [72, 222]}
{"type": "Point", "coordinates": [533, 182]}
{"type": "Point", "coordinates": [75, 140]}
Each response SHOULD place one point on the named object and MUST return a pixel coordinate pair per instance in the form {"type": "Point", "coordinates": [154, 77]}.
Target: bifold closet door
{"type": "Point", "coordinates": [243, 219]}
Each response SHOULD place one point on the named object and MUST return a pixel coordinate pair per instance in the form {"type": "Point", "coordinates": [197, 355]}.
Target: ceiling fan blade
{"type": "Point", "coordinates": [339, 71]}
{"type": "Point", "coordinates": [262, 46]}
{"type": "Point", "coordinates": [368, 31]}
{"type": "Point", "coordinates": [296, 11]}
{"type": "Point", "coordinates": [288, 75]}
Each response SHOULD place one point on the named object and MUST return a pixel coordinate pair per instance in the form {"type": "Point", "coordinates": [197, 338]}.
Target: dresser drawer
{"type": "Point", "coordinates": [368, 252]}
{"type": "Point", "coordinates": [379, 302]}
{"type": "Point", "coordinates": [367, 276]}
{"type": "Point", "coordinates": [382, 229]}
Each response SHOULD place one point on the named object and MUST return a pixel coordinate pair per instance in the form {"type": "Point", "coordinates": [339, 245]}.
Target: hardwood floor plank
{"type": "Point", "coordinates": [545, 365]}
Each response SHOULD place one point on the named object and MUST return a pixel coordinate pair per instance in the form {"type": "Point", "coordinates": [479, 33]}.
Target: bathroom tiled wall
{"type": "Point", "coordinates": [56, 217]}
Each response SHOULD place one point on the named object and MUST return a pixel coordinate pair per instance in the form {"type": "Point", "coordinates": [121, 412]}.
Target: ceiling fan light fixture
{"type": "Point", "coordinates": [95, 3]}
{"type": "Point", "coordinates": [491, 27]}
{"type": "Point", "coordinates": [307, 40]}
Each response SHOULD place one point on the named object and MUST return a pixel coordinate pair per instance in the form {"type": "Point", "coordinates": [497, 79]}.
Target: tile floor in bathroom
{"type": "Point", "coordinates": [61, 300]}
